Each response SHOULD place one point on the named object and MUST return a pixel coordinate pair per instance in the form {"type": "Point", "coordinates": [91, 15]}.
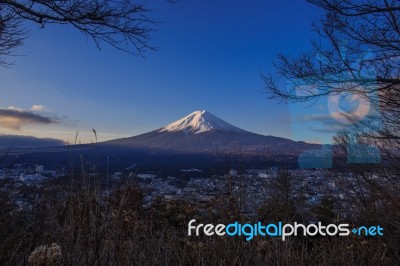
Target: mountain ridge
{"type": "Point", "coordinates": [203, 132]}
{"type": "Point", "coordinates": [19, 141]}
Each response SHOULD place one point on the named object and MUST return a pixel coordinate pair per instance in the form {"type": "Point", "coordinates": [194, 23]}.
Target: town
{"type": "Point", "coordinates": [251, 187]}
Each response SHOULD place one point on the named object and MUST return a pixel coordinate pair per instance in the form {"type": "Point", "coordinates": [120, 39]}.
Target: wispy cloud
{"type": "Point", "coordinates": [316, 117]}
{"type": "Point", "coordinates": [334, 128]}
{"type": "Point", "coordinates": [14, 108]}
{"type": "Point", "coordinates": [322, 123]}
{"type": "Point", "coordinates": [38, 108]}
{"type": "Point", "coordinates": [15, 118]}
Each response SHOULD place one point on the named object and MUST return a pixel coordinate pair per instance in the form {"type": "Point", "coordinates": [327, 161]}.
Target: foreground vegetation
{"type": "Point", "coordinates": [73, 222]}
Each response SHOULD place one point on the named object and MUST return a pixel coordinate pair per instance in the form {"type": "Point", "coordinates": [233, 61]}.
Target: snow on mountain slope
{"type": "Point", "coordinates": [199, 122]}
{"type": "Point", "coordinates": [203, 132]}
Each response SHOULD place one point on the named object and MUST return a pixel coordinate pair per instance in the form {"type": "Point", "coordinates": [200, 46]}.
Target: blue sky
{"type": "Point", "coordinates": [210, 55]}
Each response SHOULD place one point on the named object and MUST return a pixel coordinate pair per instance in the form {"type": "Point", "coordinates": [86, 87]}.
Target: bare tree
{"type": "Point", "coordinates": [123, 24]}
{"type": "Point", "coordinates": [358, 52]}
{"type": "Point", "coordinates": [355, 38]}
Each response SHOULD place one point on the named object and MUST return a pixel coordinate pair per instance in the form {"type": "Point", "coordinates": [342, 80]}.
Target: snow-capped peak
{"type": "Point", "coordinates": [198, 122]}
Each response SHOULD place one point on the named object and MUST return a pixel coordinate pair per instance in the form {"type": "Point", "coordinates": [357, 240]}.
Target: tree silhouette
{"type": "Point", "coordinates": [123, 24]}
{"type": "Point", "coordinates": [357, 52]}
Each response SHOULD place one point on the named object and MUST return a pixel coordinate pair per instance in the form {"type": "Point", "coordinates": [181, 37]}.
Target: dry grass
{"type": "Point", "coordinates": [97, 230]}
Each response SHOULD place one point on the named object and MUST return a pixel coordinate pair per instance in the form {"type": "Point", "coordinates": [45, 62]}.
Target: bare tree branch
{"type": "Point", "coordinates": [123, 24]}
{"type": "Point", "coordinates": [357, 46]}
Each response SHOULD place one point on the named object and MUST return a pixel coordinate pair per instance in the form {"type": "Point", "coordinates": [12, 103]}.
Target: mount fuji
{"type": "Point", "coordinates": [203, 132]}
{"type": "Point", "coordinates": [200, 122]}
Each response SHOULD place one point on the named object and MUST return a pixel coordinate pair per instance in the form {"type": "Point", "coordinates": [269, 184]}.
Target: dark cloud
{"type": "Point", "coordinates": [15, 118]}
